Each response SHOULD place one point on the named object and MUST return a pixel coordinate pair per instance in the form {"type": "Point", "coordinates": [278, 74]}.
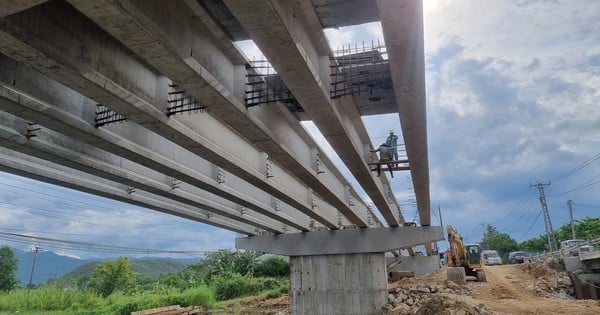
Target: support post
{"type": "Point", "coordinates": [338, 284]}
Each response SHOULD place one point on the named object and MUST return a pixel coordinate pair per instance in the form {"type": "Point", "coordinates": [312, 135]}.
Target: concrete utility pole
{"type": "Point", "coordinates": [570, 204]}
{"type": "Point", "coordinates": [35, 250]}
{"type": "Point", "coordinates": [549, 231]}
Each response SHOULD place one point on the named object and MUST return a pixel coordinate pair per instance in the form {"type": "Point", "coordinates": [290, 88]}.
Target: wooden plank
{"type": "Point", "coordinates": [179, 311]}
{"type": "Point", "coordinates": [156, 310]}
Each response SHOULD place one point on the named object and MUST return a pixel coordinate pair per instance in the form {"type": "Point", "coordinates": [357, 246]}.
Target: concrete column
{"type": "Point", "coordinates": [339, 284]}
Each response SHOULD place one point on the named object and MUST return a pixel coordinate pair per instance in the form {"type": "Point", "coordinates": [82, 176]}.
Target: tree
{"type": "Point", "coordinates": [225, 262]}
{"type": "Point", "coordinates": [538, 244]}
{"type": "Point", "coordinates": [112, 276]}
{"type": "Point", "coordinates": [273, 266]}
{"type": "Point", "coordinates": [586, 229]}
{"type": "Point", "coordinates": [8, 269]}
{"type": "Point", "coordinates": [501, 242]}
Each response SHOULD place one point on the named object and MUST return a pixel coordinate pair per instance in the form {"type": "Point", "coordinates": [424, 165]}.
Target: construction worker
{"type": "Point", "coordinates": [385, 156]}
{"type": "Point", "coordinates": [392, 142]}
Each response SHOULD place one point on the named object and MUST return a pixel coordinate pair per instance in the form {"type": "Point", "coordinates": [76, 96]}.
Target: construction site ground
{"type": "Point", "coordinates": [524, 289]}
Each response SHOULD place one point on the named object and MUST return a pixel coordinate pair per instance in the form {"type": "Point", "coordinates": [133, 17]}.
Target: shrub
{"type": "Point", "coordinates": [233, 285]}
{"type": "Point", "coordinates": [198, 296]}
{"type": "Point", "coordinates": [274, 266]}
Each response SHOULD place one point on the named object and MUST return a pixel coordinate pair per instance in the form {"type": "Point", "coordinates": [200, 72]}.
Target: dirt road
{"type": "Point", "coordinates": [506, 293]}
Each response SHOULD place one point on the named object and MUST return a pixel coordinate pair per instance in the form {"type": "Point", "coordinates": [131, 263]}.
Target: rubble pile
{"type": "Point", "coordinates": [430, 296]}
{"type": "Point", "coordinates": [549, 279]}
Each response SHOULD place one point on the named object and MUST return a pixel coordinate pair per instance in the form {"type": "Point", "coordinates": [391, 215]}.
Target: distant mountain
{"type": "Point", "coordinates": [149, 268]}
{"type": "Point", "coordinates": [48, 265]}
{"type": "Point", "coordinates": [51, 265]}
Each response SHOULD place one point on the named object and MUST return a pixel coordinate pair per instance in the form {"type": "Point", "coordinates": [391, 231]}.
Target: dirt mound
{"type": "Point", "coordinates": [444, 305]}
{"type": "Point", "coordinates": [547, 279]}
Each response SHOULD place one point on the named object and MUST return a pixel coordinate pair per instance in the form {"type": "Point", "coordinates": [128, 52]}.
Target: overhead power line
{"type": "Point", "coordinates": [532, 224]}
{"type": "Point", "coordinates": [587, 184]}
{"type": "Point", "coordinates": [579, 167]}
{"type": "Point", "coordinates": [93, 247]}
{"type": "Point", "coordinates": [583, 205]}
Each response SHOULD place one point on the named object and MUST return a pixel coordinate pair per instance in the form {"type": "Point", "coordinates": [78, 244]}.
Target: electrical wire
{"type": "Point", "coordinates": [587, 184]}
{"type": "Point", "coordinates": [579, 167]}
{"type": "Point", "coordinates": [55, 196]}
{"type": "Point", "coordinates": [129, 237]}
{"type": "Point", "coordinates": [584, 205]}
{"type": "Point", "coordinates": [86, 246]}
{"type": "Point", "coordinates": [531, 226]}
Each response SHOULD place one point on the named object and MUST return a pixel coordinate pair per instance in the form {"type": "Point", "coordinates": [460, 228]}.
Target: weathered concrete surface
{"type": "Point", "coordinates": [402, 24]}
{"type": "Point", "coordinates": [99, 75]}
{"type": "Point", "coordinates": [213, 71]}
{"type": "Point", "coordinates": [67, 112]}
{"type": "Point", "coordinates": [291, 37]}
{"type": "Point", "coordinates": [39, 169]}
{"type": "Point", "coordinates": [338, 284]}
{"type": "Point", "coordinates": [342, 241]}
{"type": "Point", "coordinates": [8, 7]}
{"type": "Point", "coordinates": [51, 146]}
{"type": "Point", "coordinates": [421, 265]}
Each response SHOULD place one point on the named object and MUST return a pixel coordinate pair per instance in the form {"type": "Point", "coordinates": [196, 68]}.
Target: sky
{"type": "Point", "coordinates": [512, 99]}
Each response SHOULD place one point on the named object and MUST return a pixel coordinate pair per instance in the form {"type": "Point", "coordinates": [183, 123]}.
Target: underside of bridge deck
{"type": "Point", "coordinates": [153, 103]}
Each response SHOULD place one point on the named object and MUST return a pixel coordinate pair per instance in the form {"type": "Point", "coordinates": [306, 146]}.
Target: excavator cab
{"type": "Point", "coordinates": [473, 256]}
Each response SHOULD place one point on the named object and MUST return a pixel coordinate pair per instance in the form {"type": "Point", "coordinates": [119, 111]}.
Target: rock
{"type": "Point", "coordinates": [401, 309]}
{"type": "Point", "coordinates": [422, 290]}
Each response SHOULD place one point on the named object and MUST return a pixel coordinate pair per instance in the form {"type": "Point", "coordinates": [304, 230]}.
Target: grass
{"type": "Point", "coordinates": [54, 300]}
{"type": "Point", "coordinates": [51, 300]}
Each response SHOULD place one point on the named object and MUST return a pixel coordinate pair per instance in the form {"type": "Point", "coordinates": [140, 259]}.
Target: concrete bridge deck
{"type": "Point", "coordinates": [147, 102]}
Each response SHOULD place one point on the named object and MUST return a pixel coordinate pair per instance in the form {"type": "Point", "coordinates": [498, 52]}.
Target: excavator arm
{"type": "Point", "coordinates": [465, 260]}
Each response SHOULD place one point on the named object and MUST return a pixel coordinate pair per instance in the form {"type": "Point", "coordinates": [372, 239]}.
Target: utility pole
{"type": "Point", "coordinates": [570, 203]}
{"type": "Point", "coordinates": [549, 231]}
{"type": "Point", "coordinates": [35, 250]}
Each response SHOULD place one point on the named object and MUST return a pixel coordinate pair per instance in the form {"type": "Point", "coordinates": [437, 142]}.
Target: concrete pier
{"type": "Point", "coordinates": [344, 271]}
{"type": "Point", "coordinates": [339, 284]}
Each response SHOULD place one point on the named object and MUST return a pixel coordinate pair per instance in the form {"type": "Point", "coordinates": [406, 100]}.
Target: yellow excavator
{"type": "Point", "coordinates": [465, 260]}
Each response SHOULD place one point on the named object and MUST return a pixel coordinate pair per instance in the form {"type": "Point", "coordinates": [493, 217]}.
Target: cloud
{"type": "Point", "coordinates": [512, 98]}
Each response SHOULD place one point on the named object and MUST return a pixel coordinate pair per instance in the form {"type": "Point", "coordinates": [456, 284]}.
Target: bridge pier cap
{"type": "Point", "coordinates": [348, 241]}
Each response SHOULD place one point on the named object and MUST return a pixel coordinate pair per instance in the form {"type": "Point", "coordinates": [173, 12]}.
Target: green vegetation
{"type": "Point", "coordinates": [501, 242]}
{"type": "Point", "coordinates": [586, 229]}
{"type": "Point", "coordinates": [88, 302]}
{"type": "Point", "coordinates": [113, 287]}
{"type": "Point", "coordinates": [113, 275]}
{"type": "Point", "coordinates": [8, 269]}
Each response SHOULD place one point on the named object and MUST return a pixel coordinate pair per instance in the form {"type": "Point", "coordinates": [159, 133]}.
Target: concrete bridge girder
{"type": "Point", "coordinates": [349, 241]}
{"type": "Point", "coordinates": [50, 146]}
{"type": "Point", "coordinates": [28, 166]}
{"type": "Point", "coordinates": [92, 83]}
{"type": "Point", "coordinates": [170, 160]}
{"type": "Point", "coordinates": [291, 37]}
{"type": "Point", "coordinates": [271, 128]}
{"type": "Point", "coordinates": [403, 33]}
{"type": "Point", "coordinates": [123, 138]}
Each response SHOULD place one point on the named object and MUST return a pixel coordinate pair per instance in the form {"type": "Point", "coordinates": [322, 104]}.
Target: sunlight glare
{"type": "Point", "coordinates": [429, 5]}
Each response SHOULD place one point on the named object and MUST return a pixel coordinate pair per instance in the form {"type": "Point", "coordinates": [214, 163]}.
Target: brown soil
{"type": "Point", "coordinates": [506, 292]}
{"type": "Point", "coordinates": [510, 289]}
